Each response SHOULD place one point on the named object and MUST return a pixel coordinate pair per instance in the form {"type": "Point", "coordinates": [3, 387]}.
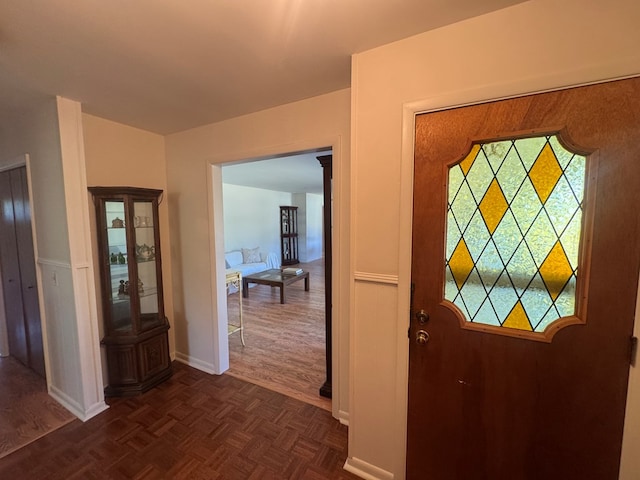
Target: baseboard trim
{"type": "Point", "coordinates": [73, 406]}
{"type": "Point", "coordinates": [366, 470]}
{"type": "Point", "coordinates": [94, 410]}
{"type": "Point", "coordinates": [195, 363]}
{"type": "Point", "coordinates": [343, 417]}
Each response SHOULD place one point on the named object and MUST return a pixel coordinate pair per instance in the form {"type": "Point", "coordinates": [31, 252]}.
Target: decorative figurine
{"type": "Point", "coordinates": [145, 252]}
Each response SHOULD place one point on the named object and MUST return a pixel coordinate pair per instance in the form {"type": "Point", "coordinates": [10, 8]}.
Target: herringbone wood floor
{"type": "Point", "coordinates": [193, 426]}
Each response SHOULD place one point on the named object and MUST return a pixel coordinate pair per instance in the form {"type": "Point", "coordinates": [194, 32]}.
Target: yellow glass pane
{"type": "Point", "coordinates": [465, 164]}
{"type": "Point", "coordinates": [556, 270]}
{"type": "Point", "coordinates": [517, 318]}
{"type": "Point", "coordinates": [493, 206]}
{"type": "Point", "coordinates": [461, 263]}
{"type": "Point", "coordinates": [545, 173]}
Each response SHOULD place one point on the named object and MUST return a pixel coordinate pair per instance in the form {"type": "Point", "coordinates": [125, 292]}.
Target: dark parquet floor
{"type": "Point", "coordinates": [193, 426]}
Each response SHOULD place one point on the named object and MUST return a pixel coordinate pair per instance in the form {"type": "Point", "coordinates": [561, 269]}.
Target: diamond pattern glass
{"type": "Point", "coordinates": [513, 232]}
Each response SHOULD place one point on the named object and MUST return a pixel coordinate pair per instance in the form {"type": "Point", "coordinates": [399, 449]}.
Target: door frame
{"type": "Point", "coordinates": [339, 360]}
{"type": "Point", "coordinates": [446, 101]}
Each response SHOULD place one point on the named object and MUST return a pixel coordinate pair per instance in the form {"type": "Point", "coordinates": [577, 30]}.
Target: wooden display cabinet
{"type": "Point", "coordinates": [135, 326]}
{"type": "Point", "coordinates": [289, 235]}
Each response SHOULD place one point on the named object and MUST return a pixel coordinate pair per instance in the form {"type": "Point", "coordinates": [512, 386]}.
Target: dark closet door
{"type": "Point", "coordinates": [19, 271]}
{"type": "Point", "coordinates": [11, 283]}
{"type": "Point", "coordinates": [27, 261]}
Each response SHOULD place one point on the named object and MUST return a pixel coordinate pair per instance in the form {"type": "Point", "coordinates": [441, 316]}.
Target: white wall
{"type": "Point", "coordinates": [537, 45]}
{"type": "Point", "coordinates": [252, 218]}
{"type": "Point", "coordinates": [118, 155]}
{"type": "Point", "coordinates": [310, 220]}
{"type": "Point", "coordinates": [49, 131]}
{"type": "Point", "coordinates": [310, 124]}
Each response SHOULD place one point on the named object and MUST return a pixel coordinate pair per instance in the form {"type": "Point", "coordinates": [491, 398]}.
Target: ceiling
{"type": "Point", "coordinates": [169, 65]}
{"type": "Point", "coordinates": [299, 173]}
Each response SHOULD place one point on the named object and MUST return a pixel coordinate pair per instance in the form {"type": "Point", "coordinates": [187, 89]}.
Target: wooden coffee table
{"type": "Point", "coordinates": [274, 278]}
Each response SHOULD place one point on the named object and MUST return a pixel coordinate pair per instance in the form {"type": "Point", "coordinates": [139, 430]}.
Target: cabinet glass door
{"type": "Point", "coordinates": [118, 269]}
{"type": "Point", "coordinates": [145, 249]}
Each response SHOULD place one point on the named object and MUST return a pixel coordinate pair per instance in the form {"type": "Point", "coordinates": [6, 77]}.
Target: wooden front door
{"type": "Point", "coordinates": [525, 262]}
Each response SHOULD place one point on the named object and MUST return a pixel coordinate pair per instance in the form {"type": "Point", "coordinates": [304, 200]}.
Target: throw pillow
{"type": "Point", "coordinates": [251, 255]}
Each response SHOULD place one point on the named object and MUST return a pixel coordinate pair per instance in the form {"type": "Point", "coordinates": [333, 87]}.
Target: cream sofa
{"type": "Point", "coordinates": [248, 261]}
{"type": "Point", "coordinates": [235, 261]}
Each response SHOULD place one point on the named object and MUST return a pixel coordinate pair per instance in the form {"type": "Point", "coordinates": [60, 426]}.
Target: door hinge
{"type": "Point", "coordinates": [634, 351]}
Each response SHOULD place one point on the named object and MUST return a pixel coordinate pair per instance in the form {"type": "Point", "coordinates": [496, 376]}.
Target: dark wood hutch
{"type": "Point", "coordinates": [135, 325]}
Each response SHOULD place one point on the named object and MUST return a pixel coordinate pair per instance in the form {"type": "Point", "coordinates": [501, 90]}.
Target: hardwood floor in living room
{"type": "Point", "coordinates": [285, 343]}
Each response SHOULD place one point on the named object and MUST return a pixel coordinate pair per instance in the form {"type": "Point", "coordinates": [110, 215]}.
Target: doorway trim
{"type": "Point", "coordinates": [216, 248]}
{"type": "Point", "coordinates": [445, 101]}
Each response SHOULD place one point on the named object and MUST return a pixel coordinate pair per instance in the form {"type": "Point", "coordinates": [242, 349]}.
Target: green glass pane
{"type": "Point", "coordinates": [476, 236]}
{"type": "Point", "coordinates": [522, 267]}
{"type": "Point", "coordinates": [536, 301]}
{"type": "Point", "coordinates": [455, 182]}
{"type": "Point", "coordinates": [480, 176]}
{"type": "Point", "coordinates": [551, 316]}
{"type": "Point", "coordinates": [561, 206]}
{"type": "Point", "coordinates": [528, 149]}
{"type": "Point", "coordinates": [490, 265]}
{"type": "Point", "coordinates": [566, 301]}
{"type": "Point", "coordinates": [496, 153]}
{"type": "Point", "coordinates": [526, 205]}
{"type": "Point", "coordinates": [541, 238]}
{"type": "Point", "coordinates": [473, 293]}
{"type": "Point", "coordinates": [570, 239]}
{"type": "Point", "coordinates": [486, 315]}
{"type": "Point", "coordinates": [463, 206]}
{"type": "Point", "coordinates": [503, 297]}
{"type": "Point", "coordinates": [450, 287]}
{"type": "Point", "coordinates": [511, 175]}
{"type": "Point", "coordinates": [453, 235]}
{"type": "Point", "coordinates": [564, 156]}
{"type": "Point", "coordinates": [575, 174]}
{"type": "Point", "coordinates": [507, 237]}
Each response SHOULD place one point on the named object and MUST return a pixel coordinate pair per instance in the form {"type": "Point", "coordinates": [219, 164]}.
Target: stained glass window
{"type": "Point", "coordinates": [513, 232]}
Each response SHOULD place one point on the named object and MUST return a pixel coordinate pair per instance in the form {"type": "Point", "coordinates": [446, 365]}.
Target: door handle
{"type": "Point", "coordinates": [422, 337]}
